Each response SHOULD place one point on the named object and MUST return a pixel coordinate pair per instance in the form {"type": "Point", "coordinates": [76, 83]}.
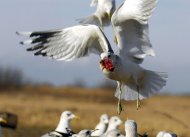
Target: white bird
{"type": "Point", "coordinates": [131, 128]}
{"type": "Point", "coordinates": [165, 134]}
{"type": "Point", "coordinates": [134, 82]}
{"type": "Point", "coordinates": [114, 123]}
{"type": "Point", "coordinates": [102, 16]}
{"type": "Point", "coordinates": [63, 128]}
{"type": "Point", "coordinates": [101, 126]}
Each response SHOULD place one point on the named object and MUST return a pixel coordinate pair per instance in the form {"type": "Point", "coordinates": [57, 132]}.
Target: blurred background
{"type": "Point", "coordinates": [38, 89]}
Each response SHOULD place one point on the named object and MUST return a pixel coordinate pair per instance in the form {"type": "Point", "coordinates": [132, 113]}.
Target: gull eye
{"type": "Point", "coordinates": [68, 114]}
{"type": "Point", "coordinates": [118, 134]}
{"type": "Point", "coordinates": [109, 56]}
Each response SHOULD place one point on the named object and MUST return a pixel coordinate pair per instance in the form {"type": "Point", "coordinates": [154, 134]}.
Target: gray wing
{"type": "Point", "coordinates": [69, 43]}
{"type": "Point", "coordinates": [130, 23]}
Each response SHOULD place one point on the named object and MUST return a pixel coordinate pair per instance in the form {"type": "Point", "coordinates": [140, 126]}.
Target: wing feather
{"type": "Point", "coordinates": [69, 43]}
{"type": "Point", "coordinates": [130, 23]}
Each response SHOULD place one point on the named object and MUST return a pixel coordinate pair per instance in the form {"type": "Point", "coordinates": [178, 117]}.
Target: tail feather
{"type": "Point", "coordinates": [153, 82]}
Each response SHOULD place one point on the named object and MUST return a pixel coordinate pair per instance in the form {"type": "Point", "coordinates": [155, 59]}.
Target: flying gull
{"type": "Point", "coordinates": [131, 29]}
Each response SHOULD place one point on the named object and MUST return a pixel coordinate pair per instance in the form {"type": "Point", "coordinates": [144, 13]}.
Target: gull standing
{"type": "Point", "coordinates": [131, 128]}
{"type": "Point", "coordinates": [101, 126]}
{"type": "Point", "coordinates": [134, 82]}
{"type": "Point", "coordinates": [63, 128]}
{"type": "Point", "coordinates": [114, 123]}
{"type": "Point", "coordinates": [102, 16]}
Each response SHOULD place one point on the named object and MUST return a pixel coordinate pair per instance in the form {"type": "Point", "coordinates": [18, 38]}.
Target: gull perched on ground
{"type": "Point", "coordinates": [131, 128]}
{"type": "Point", "coordinates": [131, 29]}
{"type": "Point", "coordinates": [63, 128]}
{"type": "Point", "coordinates": [102, 16]}
{"type": "Point", "coordinates": [114, 123]}
{"type": "Point", "coordinates": [165, 134]}
{"type": "Point", "coordinates": [101, 126]}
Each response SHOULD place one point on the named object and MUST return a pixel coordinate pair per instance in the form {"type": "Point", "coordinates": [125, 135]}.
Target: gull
{"type": "Point", "coordinates": [134, 82]}
{"type": "Point", "coordinates": [165, 134]}
{"type": "Point", "coordinates": [131, 128]}
{"type": "Point", "coordinates": [102, 16]}
{"type": "Point", "coordinates": [101, 126]}
{"type": "Point", "coordinates": [114, 123]}
{"type": "Point", "coordinates": [63, 128]}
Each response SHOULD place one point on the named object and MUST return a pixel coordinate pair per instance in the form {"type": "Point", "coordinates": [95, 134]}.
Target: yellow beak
{"type": "Point", "coordinates": [77, 117]}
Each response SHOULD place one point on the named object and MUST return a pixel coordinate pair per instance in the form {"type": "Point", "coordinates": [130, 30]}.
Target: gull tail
{"type": "Point", "coordinates": [151, 83]}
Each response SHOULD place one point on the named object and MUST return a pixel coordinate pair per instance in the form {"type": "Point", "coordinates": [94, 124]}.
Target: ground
{"type": "Point", "coordinates": [39, 110]}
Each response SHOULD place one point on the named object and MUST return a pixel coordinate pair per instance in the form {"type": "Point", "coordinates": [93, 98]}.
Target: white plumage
{"type": "Point", "coordinates": [63, 128]}
{"type": "Point", "coordinates": [165, 134]}
{"type": "Point", "coordinates": [131, 128]}
{"type": "Point", "coordinates": [101, 126]}
{"type": "Point", "coordinates": [114, 123]}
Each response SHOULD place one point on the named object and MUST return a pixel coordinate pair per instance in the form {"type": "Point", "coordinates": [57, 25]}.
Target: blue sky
{"type": "Point", "coordinates": [169, 34]}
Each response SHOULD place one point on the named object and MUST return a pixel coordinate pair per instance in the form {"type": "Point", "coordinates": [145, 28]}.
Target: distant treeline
{"type": "Point", "coordinates": [11, 78]}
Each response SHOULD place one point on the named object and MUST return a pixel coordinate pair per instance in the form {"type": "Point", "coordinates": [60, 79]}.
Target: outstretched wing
{"type": "Point", "coordinates": [69, 43]}
{"type": "Point", "coordinates": [130, 23]}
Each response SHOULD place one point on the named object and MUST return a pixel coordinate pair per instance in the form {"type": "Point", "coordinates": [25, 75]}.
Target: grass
{"type": "Point", "coordinates": [39, 110]}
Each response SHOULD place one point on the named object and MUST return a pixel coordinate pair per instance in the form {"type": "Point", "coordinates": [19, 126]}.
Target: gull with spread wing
{"type": "Point", "coordinates": [102, 16]}
{"type": "Point", "coordinates": [131, 29]}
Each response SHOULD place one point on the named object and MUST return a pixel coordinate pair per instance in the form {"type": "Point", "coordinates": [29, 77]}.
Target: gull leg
{"type": "Point", "coordinates": [119, 108]}
{"type": "Point", "coordinates": [138, 100]}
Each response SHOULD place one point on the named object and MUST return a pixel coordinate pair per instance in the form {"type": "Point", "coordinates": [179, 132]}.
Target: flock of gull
{"type": "Point", "coordinates": [107, 127]}
{"type": "Point", "coordinates": [131, 35]}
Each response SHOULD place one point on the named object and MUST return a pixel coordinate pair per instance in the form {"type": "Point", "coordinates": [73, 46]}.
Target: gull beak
{"type": "Point", "coordinates": [77, 117]}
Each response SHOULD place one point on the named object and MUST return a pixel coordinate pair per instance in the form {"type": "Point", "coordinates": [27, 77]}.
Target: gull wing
{"type": "Point", "coordinates": [69, 43]}
{"type": "Point", "coordinates": [130, 24]}
{"type": "Point", "coordinates": [93, 3]}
